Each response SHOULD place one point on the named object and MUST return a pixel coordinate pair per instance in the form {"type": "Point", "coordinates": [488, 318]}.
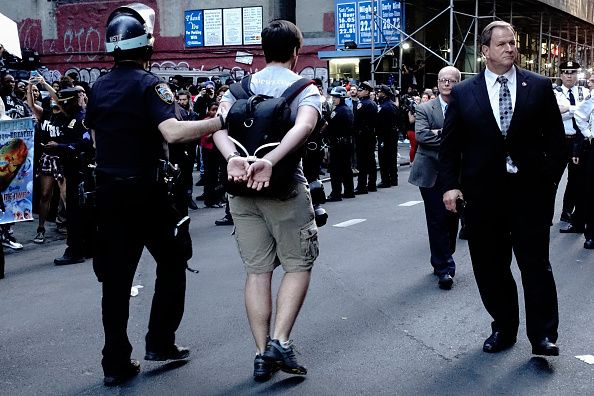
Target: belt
{"type": "Point", "coordinates": [570, 136]}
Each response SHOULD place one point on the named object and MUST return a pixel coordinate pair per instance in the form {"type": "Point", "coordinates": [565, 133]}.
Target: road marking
{"type": "Point", "coordinates": [349, 223]}
{"type": "Point", "coordinates": [410, 203]}
{"type": "Point", "coordinates": [586, 358]}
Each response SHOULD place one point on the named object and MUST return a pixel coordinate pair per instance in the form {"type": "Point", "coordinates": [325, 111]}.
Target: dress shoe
{"type": "Point", "coordinates": [545, 347]}
{"type": "Point", "coordinates": [349, 195]}
{"type": "Point", "coordinates": [589, 244]}
{"type": "Point", "coordinates": [497, 342]}
{"type": "Point", "coordinates": [174, 352]}
{"type": "Point", "coordinates": [572, 228]}
{"type": "Point", "coordinates": [333, 198]}
{"type": "Point", "coordinates": [384, 185]}
{"type": "Point", "coordinates": [359, 192]}
{"type": "Point", "coordinates": [122, 375]}
{"type": "Point", "coordinates": [227, 220]}
{"type": "Point", "coordinates": [566, 216]}
{"type": "Point", "coordinates": [445, 281]}
{"type": "Point", "coordinates": [191, 204]}
{"type": "Point", "coordinates": [69, 258]}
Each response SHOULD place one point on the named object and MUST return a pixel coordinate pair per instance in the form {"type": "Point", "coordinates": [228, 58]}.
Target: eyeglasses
{"type": "Point", "coordinates": [447, 80]}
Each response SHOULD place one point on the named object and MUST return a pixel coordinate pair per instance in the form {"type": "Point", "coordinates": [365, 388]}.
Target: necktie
{"type": "Point", "coordinates": [505, 105]}
{"type": "Point", "coordinates": [445, 109]}
{"type": "Point", "coordinates": [572, 102]}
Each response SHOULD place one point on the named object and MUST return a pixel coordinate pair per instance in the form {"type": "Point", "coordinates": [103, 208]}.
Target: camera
{"type": "Point", "coordinates": [408, 103]}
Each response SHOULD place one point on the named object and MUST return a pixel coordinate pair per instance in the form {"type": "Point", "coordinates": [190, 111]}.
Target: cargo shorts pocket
{"type": "Point", "coordinates": [310, 247]}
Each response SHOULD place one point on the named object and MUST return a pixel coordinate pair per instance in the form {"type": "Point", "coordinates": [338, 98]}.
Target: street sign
{"type": "Point", "coordinates": [194, 22]}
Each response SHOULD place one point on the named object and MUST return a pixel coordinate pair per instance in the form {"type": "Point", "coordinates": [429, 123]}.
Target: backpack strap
{"type": "Point", "coordinates": [296, 88]}
{"type": "Point", "coordinates": [242, 90]}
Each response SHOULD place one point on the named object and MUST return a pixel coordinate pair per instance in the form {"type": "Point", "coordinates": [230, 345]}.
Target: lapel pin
{"type": "Point", "coordinates": [524, 83]}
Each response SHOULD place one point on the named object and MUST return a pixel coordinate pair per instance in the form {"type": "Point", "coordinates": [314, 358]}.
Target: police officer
{"type": "Point", "coordinates": [569, 95]}
{"type": "Point", "coordinates": [132, 115]}
{"type": "Point", "coordinates": [365, 117]}
{"type": "Point", "coordinates": [387, 137]}
{"type": "Point", "coordinates": [340, 135]}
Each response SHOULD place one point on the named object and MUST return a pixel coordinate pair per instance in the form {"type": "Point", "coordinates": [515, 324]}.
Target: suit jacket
{"type": "Point", "coordinates": [426, 164]}
{"type": "Point", "coordinates": [473, 153]}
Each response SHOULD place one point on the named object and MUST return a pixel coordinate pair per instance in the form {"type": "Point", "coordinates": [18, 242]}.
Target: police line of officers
{"type": "Point", "coordinates": [357, 126]}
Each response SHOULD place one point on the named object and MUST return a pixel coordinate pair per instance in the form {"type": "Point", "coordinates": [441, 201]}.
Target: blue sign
{"type": "Point", "coordinates": [346, 22]}
{"type": "Point", "coordinates": [194, 24]}
{"type": "Point", "coordinates": [354, 23]}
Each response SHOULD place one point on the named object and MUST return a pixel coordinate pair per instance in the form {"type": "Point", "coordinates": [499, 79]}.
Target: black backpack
{"type": "Point", "coordinates": [257, 124]}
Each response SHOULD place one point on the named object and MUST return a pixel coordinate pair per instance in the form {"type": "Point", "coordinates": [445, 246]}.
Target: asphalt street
{"type": "Point", "coordinates": [374, 321]}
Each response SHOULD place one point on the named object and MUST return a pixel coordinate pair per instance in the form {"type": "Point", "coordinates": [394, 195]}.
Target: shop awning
{"type": "Point", "coordinates": [355, 53]}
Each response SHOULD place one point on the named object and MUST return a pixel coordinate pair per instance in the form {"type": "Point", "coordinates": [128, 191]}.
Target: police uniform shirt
{"type": "Point", "coordinates": [125, 108]}
{"type": "Point", "coordinates": [584, 117]}
{"type": "Point", "coordinates": [365, 114]}
{"type": "Point", "coordinates": [562, 96]}
{"type": "Point", "coordinates": [340, 123]}
{"type": "Point", "coordinates": [386, 117]}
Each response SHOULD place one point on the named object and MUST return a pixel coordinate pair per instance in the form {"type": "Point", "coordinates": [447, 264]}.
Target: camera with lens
{"type": "Point", "coordinates": [408, 104]}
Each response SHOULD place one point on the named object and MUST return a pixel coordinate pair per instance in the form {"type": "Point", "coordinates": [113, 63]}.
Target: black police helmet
{"type": "Point", "coordinates": [130, 28]}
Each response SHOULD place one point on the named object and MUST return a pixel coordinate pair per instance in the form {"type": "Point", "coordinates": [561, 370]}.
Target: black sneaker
{"type": "Point", "coordinates": [263, 369]}
{"type": "Point", "coordinates": [122, 375]}
{"type": "Point", "coordinates": [283, 357]}
{"type": "Point", "coordinates": [224, 221]}
{"type": "Point", "coordinates": [173, 353]}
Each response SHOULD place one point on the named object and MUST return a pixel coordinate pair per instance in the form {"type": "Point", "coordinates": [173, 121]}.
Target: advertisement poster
{"type": "Point", "coordinates": [16, 169]}
{"type": "Point", "coordinates": [213, 27]}
{"type": "Point", "coordinates": [252, 25]}
{"type": "Point", "coordinates": [232, 26]}
{"type": "Point", "coordinates": [194, 24]}
{"type": "Point", "coordinates": [346, 28]}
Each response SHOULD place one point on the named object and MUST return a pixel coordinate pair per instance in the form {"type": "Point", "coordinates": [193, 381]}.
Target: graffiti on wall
{"type": "Point", "coordinates": [82, 43]}
{"type": "Point", "coordinates": [88, 75]}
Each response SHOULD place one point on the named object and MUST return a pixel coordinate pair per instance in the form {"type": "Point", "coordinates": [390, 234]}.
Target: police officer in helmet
{"type": "Point", "coordinates": [340, 135]}
{"type": "Point", "coordinates": [132, 115]}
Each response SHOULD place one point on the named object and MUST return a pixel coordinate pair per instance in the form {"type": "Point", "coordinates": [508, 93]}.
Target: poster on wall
{"type": "Point", "coordinates": [232, 26]}
{"type": "Point", "coordinates": [354, 22]}
{"type": "Point", "coordinates": [213, 27]}
{"type": "Point", "coordinates": [252, 25]}
{"type": "Point", "coordinates": [16, 169]}
{"type": "Point", "coordinates": [194, 25]}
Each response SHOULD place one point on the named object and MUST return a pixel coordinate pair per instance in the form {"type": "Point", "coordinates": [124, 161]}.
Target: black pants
{"type": "Point", "coordinates": [580, 178]}
{"type": "Point", "coordinates": [366, 162]}
{"type": "Point", "coordinates": [387, 153]}
{"type": "Point", "coordinates": [132, 215]}
{"type": "Point", "coordinates": [341, 173]}
{"type": "Point", "coordinates": [442, 228]}
{"type": "Point", "coordinates": [76, 222]}
{"type": "Point", "coordinates": [213, 192]}
{"type": "Point", "coordinates": [585, 203]}
{"type": "Point", "coordinates": [572, 186]}
{"type": "Point", "coordinates": [491, 250]}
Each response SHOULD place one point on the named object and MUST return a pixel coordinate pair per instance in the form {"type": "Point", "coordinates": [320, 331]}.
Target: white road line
{"type": "Point", "coordinates": [410, 203]}
{"type": "Point", "coordinates": [586, 358]}
{"type": "Point", "coordinates": [349, 223]}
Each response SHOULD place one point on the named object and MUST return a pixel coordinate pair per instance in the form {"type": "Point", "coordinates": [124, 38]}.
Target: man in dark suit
{"type": "Point", "coordinates": [442, 225]}
{"type": "Point", "coordinates": [501, 153]}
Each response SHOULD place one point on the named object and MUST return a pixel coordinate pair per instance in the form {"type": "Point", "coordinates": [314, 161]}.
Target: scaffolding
{"type": "Point", "coordinates": [553, 43]}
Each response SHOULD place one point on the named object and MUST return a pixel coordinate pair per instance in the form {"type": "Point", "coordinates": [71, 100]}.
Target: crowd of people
{"type": "Point", "coordinates": [505, 129]}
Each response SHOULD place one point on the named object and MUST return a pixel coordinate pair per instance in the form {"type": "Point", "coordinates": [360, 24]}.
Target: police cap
{"type": "Point", "coordinates": [569, 66]}
{"type": "Point", "coordinates": [366, 85]}
{"type": "Point", "coordinates": [384, 88]}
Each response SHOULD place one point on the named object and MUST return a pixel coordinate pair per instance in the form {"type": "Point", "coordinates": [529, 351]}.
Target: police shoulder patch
{"type": "Point", "coordinates": [164, 93]}
{"type": "Point", "coordinates": [332, 114]}
{"type": "Point", "coordinates": [359, 105]}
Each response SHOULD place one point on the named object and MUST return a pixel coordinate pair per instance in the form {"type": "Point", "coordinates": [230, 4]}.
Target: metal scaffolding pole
{"type": "Point", "coordinates": [373, 44]}
{"type": "Point", "coordinates": [475, 64]}
{"type": "Point", "coordinates": [549, 44]}
{"type": "Point", "coordinates": [539, 49]}
{"type": "Point", "coordinates": [451, 57]}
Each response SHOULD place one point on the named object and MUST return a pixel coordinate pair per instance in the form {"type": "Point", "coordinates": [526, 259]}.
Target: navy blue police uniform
{"type": "Point", "coordinates": [387, 142]}
{"type": "Point", "coordinates": [133, 207]}
{"type": "Point", "coordinates": [340, 136]}
{"type": "Point", "coordinates": [365, 117]}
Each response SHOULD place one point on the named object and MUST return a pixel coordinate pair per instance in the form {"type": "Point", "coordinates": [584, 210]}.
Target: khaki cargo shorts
{"type": "Point", "coordinates": [270, 232]}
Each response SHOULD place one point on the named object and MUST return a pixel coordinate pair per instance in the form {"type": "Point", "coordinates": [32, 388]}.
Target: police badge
{"type": "Point", "coordinates": [164, 93]}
